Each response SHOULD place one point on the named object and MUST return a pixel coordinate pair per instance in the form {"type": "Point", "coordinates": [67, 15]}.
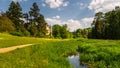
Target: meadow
{"type": "Point", "coordinates": [52, 53]}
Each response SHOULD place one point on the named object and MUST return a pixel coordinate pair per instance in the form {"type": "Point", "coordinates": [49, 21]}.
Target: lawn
{"type": "Point", "coordinates": [51, 53]}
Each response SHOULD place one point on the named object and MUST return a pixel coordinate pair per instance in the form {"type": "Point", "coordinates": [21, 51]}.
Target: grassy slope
{"type": "Point", "coordinates": [50, 53]}
{"type": "Point", "coordinates": [7, 40]}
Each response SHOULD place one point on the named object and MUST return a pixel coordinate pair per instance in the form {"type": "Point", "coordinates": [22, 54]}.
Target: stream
{"type": "Point", "coordinates": [74, 61]}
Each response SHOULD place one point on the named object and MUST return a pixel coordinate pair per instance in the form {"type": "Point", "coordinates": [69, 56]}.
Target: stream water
{"type": "Point", "coordinates": [74, 61]}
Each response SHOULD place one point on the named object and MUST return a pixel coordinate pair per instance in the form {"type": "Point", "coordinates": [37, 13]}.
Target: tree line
{"type": "Point", "coordinates": [14, 21]}
{"type": "Point", "coordinates": [32, 23]}
{"type": "Point", "coordinates": [106, 25]}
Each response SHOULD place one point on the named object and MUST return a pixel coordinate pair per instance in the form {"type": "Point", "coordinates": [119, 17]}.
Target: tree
{"type": "Point", "coordinates": [33, 30]}
{"type": "Point", "coordinates": [85, 32]}
{"type": "Point", "coordinates": [42, 25]}
{"type": "Point", "coordinates": [6, 24]}
{"type": "Point", "coordinates": [97, 25]}
{"type": "Point", "coordinates": [56, 31]}
{"type": "Point", "coordinates": [64, 32]}
{"type": "Point", "coordinates": [78, 33]}
{"type": "Point", "coordinates": [34, 11]}
{"type": "Point", "coordinates": [107, 26]}
{"type": "Point", "coordinates": [38, 20]}
{"type": "Point", "coordinates": [61, 31]}
{"type": "Point", "coordinates": [15, 13]}
{"type": "Point", "coordinates": [112, 18]}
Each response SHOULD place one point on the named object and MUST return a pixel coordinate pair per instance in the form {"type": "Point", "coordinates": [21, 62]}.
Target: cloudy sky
{"type": "Point", "coordinates": [75, 13]}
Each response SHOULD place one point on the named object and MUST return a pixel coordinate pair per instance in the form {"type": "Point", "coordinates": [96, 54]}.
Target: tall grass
{"type": "Point", "coordinates": [100, 53]}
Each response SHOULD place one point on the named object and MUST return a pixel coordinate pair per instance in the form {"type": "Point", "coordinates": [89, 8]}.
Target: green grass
{"type": "Point", "coordinates": [43, 55]}
{"type": "Point", "coordinates": [51, 53]}
{"type": "Point", "coordinates": [100, 53]}
{"type": "Point", "coordinates": [7, 40]}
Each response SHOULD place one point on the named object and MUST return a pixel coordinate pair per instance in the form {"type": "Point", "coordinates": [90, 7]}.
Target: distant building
{"type": "Point", "coordinates": [49, 31]}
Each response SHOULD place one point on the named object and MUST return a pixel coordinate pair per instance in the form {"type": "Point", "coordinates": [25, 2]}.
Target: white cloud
{"type": "Point", "coordinates": [103, 5]}
{"type": "Point", "coordinates": [65, 4]}
{"type": "Point", "coordinates": [23, 19]}
{"type": "Point", "coordinates": [18, 0]}
{"type": "Point", "coordinates": [56, 3]}
{"type": "Point", "coordinates": [72, 24]}
{"type": "Point", "coordinates": [87, 22]}
{"type": "Point", "coordinates": [82, 5]}
{"type": "Point", "coordinates": [52, 21]}
{"type": "Point", "coordinates": [56, 17]}
{"type": "Point", "coordinates": [43, 4]}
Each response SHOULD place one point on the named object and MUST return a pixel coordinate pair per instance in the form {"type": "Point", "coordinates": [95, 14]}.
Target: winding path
{"type": "Point", "coordinates": [8, 49]}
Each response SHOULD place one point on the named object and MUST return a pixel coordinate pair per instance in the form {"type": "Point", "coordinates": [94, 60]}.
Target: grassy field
{"type": "Point", "coordinates": [7, 40]}
{"type": "Point", "coordinates": [51, 53]}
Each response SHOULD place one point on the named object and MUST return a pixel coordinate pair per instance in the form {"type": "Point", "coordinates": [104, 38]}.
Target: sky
{"type": "Point", "coordinates": [75, 13]}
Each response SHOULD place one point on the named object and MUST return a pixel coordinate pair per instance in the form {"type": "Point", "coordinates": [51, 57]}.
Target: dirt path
{"type": "Point", "coordinates": [4, 50]}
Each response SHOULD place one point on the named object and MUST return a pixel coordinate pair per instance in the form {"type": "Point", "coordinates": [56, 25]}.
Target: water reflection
{"type": "Point", "coordinates": [74, 60]}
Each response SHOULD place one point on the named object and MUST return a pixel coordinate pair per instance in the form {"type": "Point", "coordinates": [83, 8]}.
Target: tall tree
{"type": "Point", "coordinates": [15, 13]}
{"type": "Point", "coordinates": [112, 18]}
{"type": "Point", "coordinates": [34, 12]}
{"type": "Point", "coordinates": [38, 20]}
{"type": "Point", "coordinates": [107, 26]}
{"type": "Point", "coordinates": [97, 25]}
{"type": "Point", "coordinates": [42, 25]}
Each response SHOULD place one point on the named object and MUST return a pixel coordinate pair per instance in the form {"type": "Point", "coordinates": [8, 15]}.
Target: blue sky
{"type": "Point", "coordinates": [75, 13]}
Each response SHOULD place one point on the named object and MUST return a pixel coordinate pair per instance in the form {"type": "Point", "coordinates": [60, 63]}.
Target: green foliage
{"type": "Point", "coordinates": [42, 25]}
{"type": "Point", "coordinates": [25, 32]}
{"type": "Point", "coordinates": [15, 13]}
{"type": "Point", "coordinates": [37, 19]}
{"type": "Point", "coordinates": [56, 31]}
{"type": "Point", "coordinates": [82, 33]}
{"type": "Point", "coordinates": [16, 33]}
{"type": "Point", "coordinates": [30, 24]}
{"type": "Point", "coordinates": [34, 11]}
{"type": "Point", "coordinates": [97, 26]}
{"type": "Point", "coordinates": [6, 24]}
{"type": "Point", "coordinates": [78, 33]}
{"type": "Point", "coordinates": [61, 31]}
{"type": "Point", "coordinates": [64, 32]}
{"type": "Point", "coordinates": [33, 30]}
{"type": "Point", "coordinates": [107, 25]}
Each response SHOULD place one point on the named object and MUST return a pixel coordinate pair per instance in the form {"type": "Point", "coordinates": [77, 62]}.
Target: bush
{"type": "Point", "coordinates": [26, 33]}
{"type": "Point", "coordinates": [17, 33]}
{"type": "Point", "coordinates": [6, 24]}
